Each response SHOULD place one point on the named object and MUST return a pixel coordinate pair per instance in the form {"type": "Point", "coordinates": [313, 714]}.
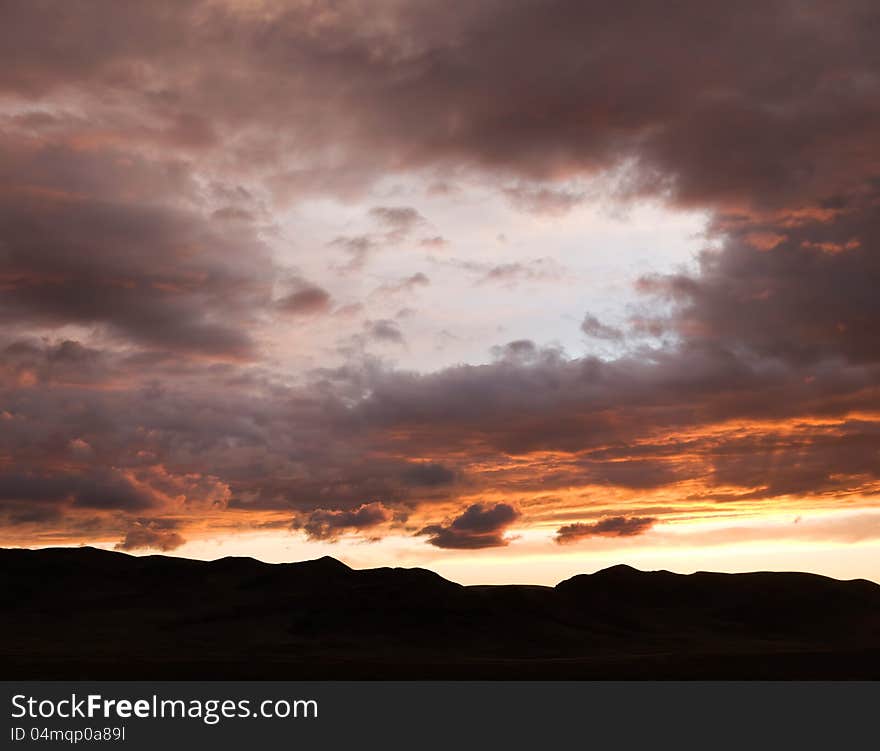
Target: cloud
{"type": "Point", "coordinates": [611, 526]}
{"type": "Point", "coordinates": [407, 284]}
{"type": "Point", "coordinates": [384, 90]}
{"type": "Point", "coordinates": [324, 524]}
{"type": "Point", "coordinates": [429, 474]}
{"type": "Point", "coordinates": [82, 245]}
{"type": "Point", "coordinates": [593, 328]}
{"type": "Point", "coordinates": [508, 274]}
{"type": "Point", "coordinates": [156, 534]}
{"type": "Point", "coordinates": [525, 353]}
{"type": "Point", "coordinates": [540, 269]}
{"type": "Point", "coordinates": [308, 299]}
{"type": "Point", "coordinates": [775, 291]}
{"type": "Point", "coordinates": [481, 525]}
{"type": "Point", "coordinates": [519, 350]}
{"type": "Point", "coordinates": [384, 330]}
{"type": "Point", "coordinates": [358, 247]}
{"type": "Point", "coordinates": [96, 488]}
{"type": "Point", "coordinates": [30, 362]}
{"type": "Point", "coordinates": [546, 200]}
{"type": "Point", "coordinates": [399, 220]}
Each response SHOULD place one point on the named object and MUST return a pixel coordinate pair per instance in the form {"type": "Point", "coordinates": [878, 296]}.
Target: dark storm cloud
{"type": "Point", "coordinates": [430, 474]}
{"type": "Point", "coordinates": [838, 461]}
{"type": "Point", "coordinates": [810, 298]}
{"type": "Point", "coordinates": [612, 526]}
{"type": "Point", "coordinates": [481, 525]}
{"type": "Point", "coordinates": [95, 489]}
{"type": "Point", "coordinates": [30, 360]}
{"type": "Point", "coordinates": [766, 101]}
{"type": "Point", "coordinates": [161, 276]}
{"type": "Point", "coordinates": [323, 524]}
{"type": "Point", "coordinates": [552, 402]}
{"type": "Point", "coordinates": [209, 433]}
{"type": "Point", "coordinates": [637, 474]}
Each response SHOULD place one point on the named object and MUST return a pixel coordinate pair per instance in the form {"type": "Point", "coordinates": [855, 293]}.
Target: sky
{"type": "Point", "coordinates": [507, 289]}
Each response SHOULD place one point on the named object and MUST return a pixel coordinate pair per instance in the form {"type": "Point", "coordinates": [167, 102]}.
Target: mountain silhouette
{"type": "Point", "coordinates": [83, 613]}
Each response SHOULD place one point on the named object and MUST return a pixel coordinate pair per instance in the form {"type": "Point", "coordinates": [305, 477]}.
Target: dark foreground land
{"type": "Point", "coordinates": [91, 614]}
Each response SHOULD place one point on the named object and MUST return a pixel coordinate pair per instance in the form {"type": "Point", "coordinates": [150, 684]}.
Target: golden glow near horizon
{"type": "Point", "coordinates": [841, 544]}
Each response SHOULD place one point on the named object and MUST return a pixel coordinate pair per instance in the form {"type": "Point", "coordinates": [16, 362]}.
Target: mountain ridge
{"type": "Point", "coordinates": [329, 561]}
{"type": "Point", "coordinates": [88, 612]}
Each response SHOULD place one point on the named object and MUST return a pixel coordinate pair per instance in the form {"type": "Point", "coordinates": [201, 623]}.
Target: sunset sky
{"type": "Point", "coordinates": [502, 288]}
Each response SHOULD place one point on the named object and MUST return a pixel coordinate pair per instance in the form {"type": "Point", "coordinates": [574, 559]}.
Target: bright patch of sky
{"type": "Point", "coordinates": [473, 269]}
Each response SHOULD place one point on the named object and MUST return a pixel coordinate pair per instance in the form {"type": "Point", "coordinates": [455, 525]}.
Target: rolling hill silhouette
{"type": "Point", "coordinates": [92, 614]}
